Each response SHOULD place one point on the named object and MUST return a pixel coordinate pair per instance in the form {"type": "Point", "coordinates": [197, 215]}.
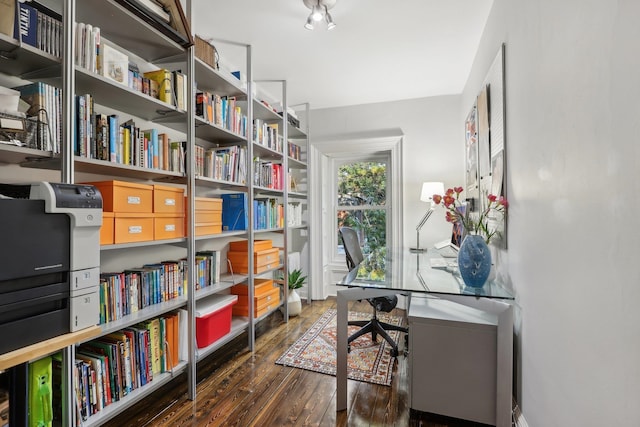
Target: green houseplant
{"type": "Point", "coordinates": [296, 281]}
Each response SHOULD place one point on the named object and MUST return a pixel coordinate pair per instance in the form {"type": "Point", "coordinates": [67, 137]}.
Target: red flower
{"type": "Point", "coordinates": [478, 223]}
{"type": "Point", "coordinates": [449, 200]}
{"type": "Point", "coordinates": [451, 217]}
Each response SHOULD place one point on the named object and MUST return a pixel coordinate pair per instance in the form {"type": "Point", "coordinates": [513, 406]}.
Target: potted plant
{"type": "Point", "coordinates": [296, 280]}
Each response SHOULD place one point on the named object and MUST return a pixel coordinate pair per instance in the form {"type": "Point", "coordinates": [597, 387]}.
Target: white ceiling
{"type": "Point", "coordinates": [380, 50]}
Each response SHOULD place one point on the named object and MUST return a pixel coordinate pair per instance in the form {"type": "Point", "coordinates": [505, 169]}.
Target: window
{"type": "Point", "coordinates": [362, 203]}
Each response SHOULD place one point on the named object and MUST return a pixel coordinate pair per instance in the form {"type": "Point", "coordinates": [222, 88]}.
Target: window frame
{"type": "Point", "coordinates": [336, 163]}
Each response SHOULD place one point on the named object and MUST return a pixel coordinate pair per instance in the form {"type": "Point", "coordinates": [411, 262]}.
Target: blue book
{"type": "Point", "coordinates": [234, 211]}
{"type": "Point", "coordinates": [27, 25]}
{"type": "Point", "coordinates": [114, 133]}
{"type": "Point", "coordinates": [153, 159]}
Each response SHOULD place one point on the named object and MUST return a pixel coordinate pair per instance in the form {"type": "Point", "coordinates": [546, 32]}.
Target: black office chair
{"type": "Point", "coordinates": [385, 304]}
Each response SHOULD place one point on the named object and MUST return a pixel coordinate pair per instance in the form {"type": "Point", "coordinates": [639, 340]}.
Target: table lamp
{"type": "Point", "coordinates": [428, 190]}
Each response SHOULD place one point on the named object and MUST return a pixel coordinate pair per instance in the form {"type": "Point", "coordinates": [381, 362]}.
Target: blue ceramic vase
{"type": "Point", "coordinates": [474, 261]}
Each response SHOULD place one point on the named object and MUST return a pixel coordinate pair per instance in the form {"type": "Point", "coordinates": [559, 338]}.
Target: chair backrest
{"type": "Point", "coordinates": [352, 248]}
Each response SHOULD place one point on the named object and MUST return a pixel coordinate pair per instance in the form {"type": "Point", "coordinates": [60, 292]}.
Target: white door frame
{"type": "Point", "coordinates": [320, 152]}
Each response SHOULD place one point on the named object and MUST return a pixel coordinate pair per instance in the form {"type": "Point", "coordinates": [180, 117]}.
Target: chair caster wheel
{"type": "Point", "coordinates": [348, 349]}
{"type": "Point", "coordinates": [394, 353]}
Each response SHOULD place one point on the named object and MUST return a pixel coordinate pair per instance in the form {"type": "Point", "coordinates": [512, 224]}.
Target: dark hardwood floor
{"type": "Point", "coordinates": [237, 387]}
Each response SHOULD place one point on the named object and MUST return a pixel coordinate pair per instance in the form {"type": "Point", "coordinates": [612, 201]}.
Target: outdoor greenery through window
{"type": "Point", "coordinates": [362, 205]}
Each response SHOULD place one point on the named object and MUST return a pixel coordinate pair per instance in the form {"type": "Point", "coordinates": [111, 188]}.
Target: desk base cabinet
{"type": "Point", "coordinates": [452, 360]}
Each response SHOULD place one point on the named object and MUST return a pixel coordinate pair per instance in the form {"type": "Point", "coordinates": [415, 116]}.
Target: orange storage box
{"type": "Point", "coordinates": [208, 216]}
{"type": "Point", "coordinates": [262, 261]}
{"type": "Point", "coordinates": [168, 200]}
{"type": "Point", "coordinates": [213, 318]}
{"type": "Point", "coordinates": [260, 286]}
{"type": "Point", "coordinates": [106, 230]}
{"type": "Point", "coordinates": [168, 226]}
{"type": "Point", "coordinates": [125, 197]}
{"type": "Point", "coordinates": [208, 228]}
{"type": "Point", "coordinates": [263, 303]}
{"type": "Point", "coordinates": [258, 245]}
{"type": "Point", "coordinates": [131, 227]}
{"type": "Point", "coordinates": [208, 204]}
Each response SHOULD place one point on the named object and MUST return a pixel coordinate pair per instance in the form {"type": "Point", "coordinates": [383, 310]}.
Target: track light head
{"type": "Point", "coordinates": [319, 12]}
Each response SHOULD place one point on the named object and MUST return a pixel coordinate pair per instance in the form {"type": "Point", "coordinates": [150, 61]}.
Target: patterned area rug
{"type": "Point", "coordinates": [368, 361]}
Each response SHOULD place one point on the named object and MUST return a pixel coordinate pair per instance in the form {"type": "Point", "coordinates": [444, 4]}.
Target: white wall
{"type": "Point", "coordinates": [431, 151]}
{"type": "Point", "coordinates": [572, 88]}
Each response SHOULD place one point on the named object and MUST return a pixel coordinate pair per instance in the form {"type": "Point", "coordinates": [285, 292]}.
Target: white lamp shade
{"type": "Point", "coordinates": [429, 189]}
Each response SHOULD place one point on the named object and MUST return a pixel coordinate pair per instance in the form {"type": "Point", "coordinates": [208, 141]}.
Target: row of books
{"type": "Point", "coordinates": [268, 174]}
{"type": "Point", "coordinates": [132, 290]}
{"type": "Point", "coordinates": [227, 163]}
{"type": "Point", "coordinates": [45, 104]}
{"type": "Point", "coordinates": [98, 55]}
{"type": "Point", "coordinates": [266, 134]}
{"type": "Point", "coordinates": [104, 137]}
{"type": "Point", "coordinates": [207, 268]}
{"type": "Point", "coordinates": [294, 151]}
{"type": "Point", "coordinates": [87, 47]}
{"type": "Point", "coordinates": [294, 214]}
{"type": "Point", "coordinates": [221, 111]}
{"type": "Point", "coordinates": [109, 368]}
{"type": "Point", "coordinates": [268, 213]}
{"type": "Point", "coordinates": [167, 86]}
{"type": "Point", "coordinates": [39, 27]}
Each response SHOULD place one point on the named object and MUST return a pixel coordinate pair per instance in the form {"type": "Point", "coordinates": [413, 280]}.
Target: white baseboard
{"type": "Point", "coordinates": [518, 418]}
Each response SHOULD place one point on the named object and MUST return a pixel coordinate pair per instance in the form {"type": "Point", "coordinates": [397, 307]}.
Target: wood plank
{"type": "Point", "coordinates": [44, 348]}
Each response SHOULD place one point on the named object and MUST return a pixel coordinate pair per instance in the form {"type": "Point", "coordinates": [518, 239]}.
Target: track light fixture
{"type": "Point", "coordinates": [319, 12]}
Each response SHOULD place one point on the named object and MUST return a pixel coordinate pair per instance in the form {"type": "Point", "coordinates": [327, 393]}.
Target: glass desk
{"type": "Point", "coordinates": [411, 274]}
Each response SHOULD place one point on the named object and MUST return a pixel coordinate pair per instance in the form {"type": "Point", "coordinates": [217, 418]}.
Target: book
{"type": "Point", "coordinates": [164, 79]}
{"type": "Point", "coordinates": [213, 264]}
{"type": "Point", "coordinates": [178, 20]}
{"type": "Point", "coordinates": [153, 156]}
{"type": "Point", "coordinates": [177, 29]}
{"type": "Point", "coordinates": [98, 384]}
{"type": "Point", "coordinates": [38, 96]}
{"type": "Point", "coordinates": [26, 29]}
{"type": "Point", "coordinates": [40, 392]}
{"type": "Point", "coordinates": [7, 17]}
{"type": "Point", "coordinates": [156, 8]}
{"type": "Point", "coordinates": [113, 64]}
{"type": "Point", "coordinates": [180, 89]}
{"type": "Point", "coordinates": [102, 136]}
{"type": "Point", "coordinates": [104, 368]}
{"type": "Point", "coordinates": [172, 340]}
{"type": "Point", "coordinates": [234, 211]}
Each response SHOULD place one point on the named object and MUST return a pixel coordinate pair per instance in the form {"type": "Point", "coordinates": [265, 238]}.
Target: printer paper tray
{"type": "Point", "coordinates": [24, 332]}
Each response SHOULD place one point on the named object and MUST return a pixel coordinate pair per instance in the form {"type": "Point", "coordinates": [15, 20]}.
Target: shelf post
{"type": "Point", "coordinates": [191, 244]}
{"type": "Point", "coordinates": [250, 213]}
{"type": "Point", "coordinates": [67, 176]}
{"type": "Point", "coordinates": [68, 90]}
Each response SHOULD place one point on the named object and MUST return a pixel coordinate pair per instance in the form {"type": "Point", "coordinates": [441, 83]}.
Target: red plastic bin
{"type": "Point", "coordinates": [213, 318]}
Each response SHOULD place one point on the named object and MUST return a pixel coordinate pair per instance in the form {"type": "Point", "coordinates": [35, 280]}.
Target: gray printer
{"type": "Point", "coordinates": [49, 259]}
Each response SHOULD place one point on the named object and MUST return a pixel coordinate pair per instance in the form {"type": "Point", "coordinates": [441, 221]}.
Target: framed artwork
{"type": "Point", "coordinates": [485, 160]}
{"type": "Point", "coordinates": [484, 143]}
{"type": "Point", "coordinates": [471, 161]}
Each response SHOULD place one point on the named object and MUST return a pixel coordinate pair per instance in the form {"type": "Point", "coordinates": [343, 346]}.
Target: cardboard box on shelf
{"type": "Point", "coordinates": [125, 197]}
{"type": "Point", "coordinates": [262, 261]}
